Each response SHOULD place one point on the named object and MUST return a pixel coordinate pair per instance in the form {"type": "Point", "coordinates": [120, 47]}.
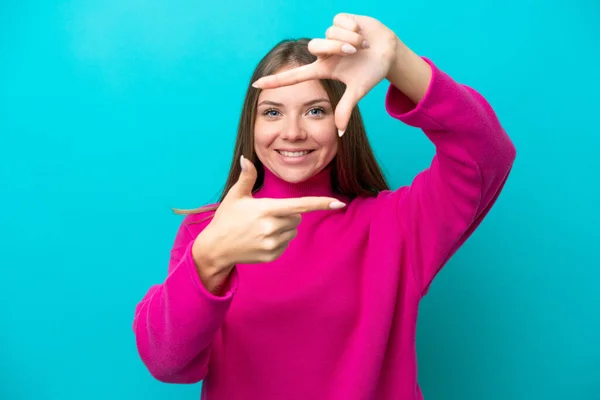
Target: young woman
{"type": "Point", "coordinates": [304, 281]}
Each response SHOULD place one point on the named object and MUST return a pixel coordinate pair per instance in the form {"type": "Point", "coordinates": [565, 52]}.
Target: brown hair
{"type": "Point", "coordinates": [355, 171]}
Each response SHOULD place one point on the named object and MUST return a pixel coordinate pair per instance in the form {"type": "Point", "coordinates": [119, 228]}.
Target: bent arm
{"type": "Point", "coordinates": [176, 321]}
{"type": "Point", "coordinates": [446, 202]}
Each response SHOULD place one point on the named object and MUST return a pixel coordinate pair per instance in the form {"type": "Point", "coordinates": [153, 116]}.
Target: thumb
{"type": "Point", "coordinates": [343, 111]}
{"type": "Point", "coordinates": [245, 183]}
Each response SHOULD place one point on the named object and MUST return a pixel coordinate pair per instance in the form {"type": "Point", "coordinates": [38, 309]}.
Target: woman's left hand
{"type": "Point", "coordinates": [358, 51]}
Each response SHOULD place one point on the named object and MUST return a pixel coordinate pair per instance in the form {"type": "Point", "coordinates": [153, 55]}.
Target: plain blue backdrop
{"type": "Point", "coordinates": [111, 112]}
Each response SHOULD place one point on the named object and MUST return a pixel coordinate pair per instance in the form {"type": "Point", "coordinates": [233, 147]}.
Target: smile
{"type": "Point", "coordinates": [294, 153]}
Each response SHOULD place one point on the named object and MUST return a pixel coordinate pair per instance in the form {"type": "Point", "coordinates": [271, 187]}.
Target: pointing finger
{"type": "Point", "coordinates": [285, 207]}
{"type": "Point", "coordinates": [290, 77]}
{"type": "Point", "coordinates": [323, 47]}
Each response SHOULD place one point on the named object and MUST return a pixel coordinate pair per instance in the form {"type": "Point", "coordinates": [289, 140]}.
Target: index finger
{"type": "Point", "coordinates": [285, 207]}
{"type": "Point", "coordinates": [289, 77]}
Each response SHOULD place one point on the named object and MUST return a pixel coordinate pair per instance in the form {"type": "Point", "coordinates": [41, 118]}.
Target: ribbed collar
{"type": "Point", "coordinates": [277, 188]}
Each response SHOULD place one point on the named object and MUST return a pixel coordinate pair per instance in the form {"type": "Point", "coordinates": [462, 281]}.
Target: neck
{"type": "Point", "coordinates": [275, 187]}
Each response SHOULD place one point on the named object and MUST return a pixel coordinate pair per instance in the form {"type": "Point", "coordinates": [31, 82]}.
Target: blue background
{"type": "Point", "coordinates": [111, 112]}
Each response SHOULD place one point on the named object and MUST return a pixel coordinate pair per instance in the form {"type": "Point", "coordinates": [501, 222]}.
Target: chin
{"type": "Point", "coordinates": [291, 176]}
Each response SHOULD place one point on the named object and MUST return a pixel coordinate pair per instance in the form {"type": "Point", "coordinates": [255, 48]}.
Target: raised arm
{"type": "Point", "coordinates": [474, 155]}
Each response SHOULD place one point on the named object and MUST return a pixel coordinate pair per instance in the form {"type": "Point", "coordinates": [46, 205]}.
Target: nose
{"type": "Point", "coordinates": [293, 131]}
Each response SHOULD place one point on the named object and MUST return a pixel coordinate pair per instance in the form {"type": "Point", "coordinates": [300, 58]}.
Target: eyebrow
{"type": "Point", "coordinates": [308, 103]}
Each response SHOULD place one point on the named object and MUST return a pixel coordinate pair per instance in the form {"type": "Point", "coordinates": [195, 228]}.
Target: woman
{"type": "Point", "coordinates": [305, 281]}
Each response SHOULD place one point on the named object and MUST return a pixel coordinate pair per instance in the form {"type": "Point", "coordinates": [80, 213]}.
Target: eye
{"type": "Point", "coordinates": [317, 111]}
{"type": "Point", "coordinates": [271, 112]}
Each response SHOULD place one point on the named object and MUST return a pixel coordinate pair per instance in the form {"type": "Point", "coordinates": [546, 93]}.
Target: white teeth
{"type": "Point", "coordinates": [293, 153]}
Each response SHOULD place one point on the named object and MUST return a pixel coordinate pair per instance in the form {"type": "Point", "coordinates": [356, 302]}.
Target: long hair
{"type": "Point", "coordinates": [355, 171]}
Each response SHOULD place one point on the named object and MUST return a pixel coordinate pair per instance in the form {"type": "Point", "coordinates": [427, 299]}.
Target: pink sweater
{"type": "Point", "coordinates": [334, 318]}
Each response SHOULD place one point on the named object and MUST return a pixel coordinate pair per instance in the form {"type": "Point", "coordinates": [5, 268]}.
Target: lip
{"type": "Point", "coordinates": [293, 160]}
{"type": "Point", "coordinates": [293, 150]}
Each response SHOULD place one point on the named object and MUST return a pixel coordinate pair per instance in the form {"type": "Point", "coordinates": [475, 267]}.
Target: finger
{"type": "Point", "coordinates": [347, 36]}
{"type": "Point", "coordinates": [287, 236]}
{"type": "Point", "coordinates": [245, 183]}
{"type": "Point", "coordinates": [343, 110]}
{"type": "Point", "coordinates": [323, 47]}
{"type": "Point", "coordinates": [289, 77]}
{"type": "Point", "coordinates": [346, 21]}
{"type": "Point", "coordinates": [286, 207]}
{"type": "Point", "coordinates": [282, 241]}
{"type": "Point", "coordinates": [274, 254]}
{"type": "Point", "coordinates": [292, 221]}
{"type": "Point", "coordinates": [278, 225]}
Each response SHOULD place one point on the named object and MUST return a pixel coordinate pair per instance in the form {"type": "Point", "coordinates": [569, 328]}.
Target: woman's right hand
{"type": "Point", "coordinates": [245, 230]}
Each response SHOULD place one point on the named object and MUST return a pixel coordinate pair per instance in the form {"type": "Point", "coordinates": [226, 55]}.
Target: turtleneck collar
{"type": "Point", "coordinates": [277, 188]}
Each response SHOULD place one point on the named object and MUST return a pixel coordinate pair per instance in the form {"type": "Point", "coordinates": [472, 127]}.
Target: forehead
{"type": "Point", "coordinates": [298, 93]}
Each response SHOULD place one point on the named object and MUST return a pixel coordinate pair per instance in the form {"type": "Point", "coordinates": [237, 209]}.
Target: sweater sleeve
{"type": "Point", "coordinates": [447, 201]}
{"type": "Point", "coordinates": [176, 321]}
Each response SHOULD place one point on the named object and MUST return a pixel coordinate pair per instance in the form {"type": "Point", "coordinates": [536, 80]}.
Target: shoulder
{"type": "Point", "coordinates": [195, 221]}
{"type": "Point", "coordinates": [382, 209]}
{"type": "Point", "coordinates": [379, 202]}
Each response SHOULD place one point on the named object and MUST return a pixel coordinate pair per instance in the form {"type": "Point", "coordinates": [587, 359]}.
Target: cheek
{"type": "Point", "coordinates": [263, 137]}
{"type": "Point", "coordinates": [328, 140]}
{"type": "Point", "coordinates": [332, 149]}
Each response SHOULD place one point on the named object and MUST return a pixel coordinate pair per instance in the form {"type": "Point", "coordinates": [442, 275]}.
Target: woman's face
{"type": "Point", "coordinates": [294, 134]}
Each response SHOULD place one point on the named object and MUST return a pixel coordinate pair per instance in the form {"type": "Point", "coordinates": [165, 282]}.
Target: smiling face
{"type": "Point", "coordinates": [294, 132]}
